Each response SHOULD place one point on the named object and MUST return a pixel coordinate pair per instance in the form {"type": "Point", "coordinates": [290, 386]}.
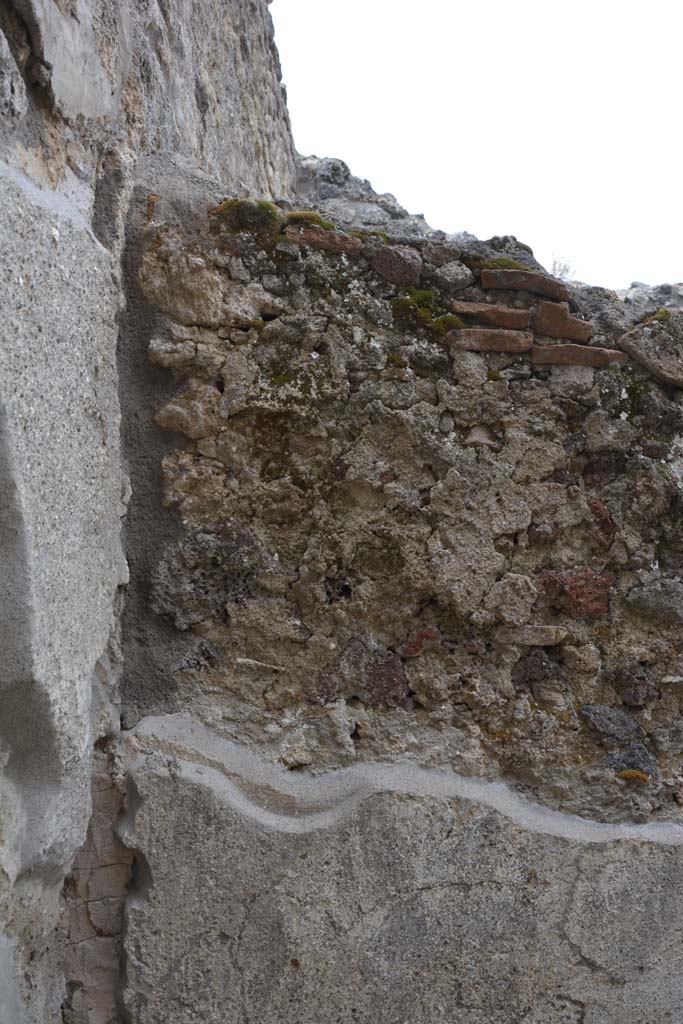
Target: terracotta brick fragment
{"type": "Point", "coordinates": [584, 593]}
{"type": "Point", "coordinates": [603, 519]}
{"type": "Point", "coordinates": [525, 280]}
{"type": "Point", "coordinates": [576, 355]}
{"type": "Point", "coordinates": [497, 316]}
{"type": "Point", "coordinates": [488, 339]}
{"type": "Point", "coordinates": [321, 238]}
{"type": "Point", "coordinates": [554, 320]}
{"type": "Point", "coordinates": [398, 264]}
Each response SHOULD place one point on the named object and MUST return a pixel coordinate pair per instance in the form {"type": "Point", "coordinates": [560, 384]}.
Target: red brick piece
{"type": "Point", "coordinates": [582, 592]}
{"type": "Point", "coordinates": [553, 319]}
{"type": "Point", "coordinates": [576, 355]}
{"type": "Point", "coordinates": [527, 281]}
{"type": "Point", "coordinates": [398, 264]}
{"type": "Point", "coordinates": [497, 316]}
{"type": "Point", "coordinates": [320, 238]}
{"type": "Point", "coordinates": [487, 339]}
{"type": "Point", "coordinates": [602, 517]}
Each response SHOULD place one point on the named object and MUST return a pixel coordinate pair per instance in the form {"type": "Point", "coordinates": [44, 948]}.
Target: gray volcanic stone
{"type": "Point", "coordinates": [398, 264]}
{"type": "Point", "coordinates": [454, 276]}
{"type": "Point", "coordinates": [385, 894]}
{"type": "Point", "coordinates": [611, 723]}
{"type": "Point", "coordinates": [643, 298]}
{"type": "Point", "coordinates": [12, 89]}
{"type": "Point", "coordinates": [635, 757]}
{"type": "Point", "coordinates": [661, 600]}
{"type": "Point", "coordinates": [657, 345]}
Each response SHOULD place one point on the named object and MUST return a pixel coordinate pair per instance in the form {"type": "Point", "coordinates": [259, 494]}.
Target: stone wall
{"type": "Point", "coordinates": [87, 90]}
{"type": "Point", "coordinates": [379, 717]}
{"type": "Point", "coordinates": [412, 632]}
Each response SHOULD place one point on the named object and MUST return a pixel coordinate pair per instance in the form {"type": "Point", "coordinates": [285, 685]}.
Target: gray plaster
{"type": "Point", "coordinates": [412, 896]}
{"type": "Point", "coordinates": [10, 1010]}
{"type": "Point", "coordinates": [297, 802]}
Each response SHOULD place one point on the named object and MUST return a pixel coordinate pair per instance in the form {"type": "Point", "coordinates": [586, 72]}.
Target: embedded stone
{"type": "Point", "coordinates": [486, 339]}
{"type": "Point", "coordinates": [398, 264]}
{"type": "Point", "coordinates": [634, 687]}
{"type": "Point", "coordinates": [532, 636]}
{"type": "Point", "coordinates": [554, 320]}
{"type": "Point", "coordinates": [634, 764]}
{"type": "Point", "coordinates": [497, 316]}
{"type": "Point", "coordinates": [603, 519]}
{"type": "Point", "coordinates": [525, 280]}
{"type": "Point", "coordinates": [320, 238]}
{"type": "Point", "coordinates": [454, 276]}
{"type": "Point", "coordinates": [482, 437]}
{"type": "Point", "coordinates": [576, 355]}
{"type": "Point", "coordinates": [658, 346]}
{"type": "Point", "coordinates": [660, 601]}
{"type": "Point", "coordinates": [582, 592]}
{"type": "Point", "coordinates": [612, 724]}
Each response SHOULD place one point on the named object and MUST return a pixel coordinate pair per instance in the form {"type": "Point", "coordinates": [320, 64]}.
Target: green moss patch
{"type": "Point", "coordinates": [662, 316]}
{"type": "Point", "coordinates": [256, 216]}
{"type": "Point", "coordinates": [499, 263]}
{"type": "Point", "coordinates": [422, 307]}
{"type": "Point", "coordinates": [309, 217]}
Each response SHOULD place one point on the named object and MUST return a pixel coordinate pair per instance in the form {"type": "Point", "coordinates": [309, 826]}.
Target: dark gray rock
{"type": "Point", "coordinates": [657, 344]}
{"type": "Point", "coordinates": [611, 724]}
{"type": "Point", "coordinates": [659, 601]}
{"type": "Point", "coordinates": [635, 757]}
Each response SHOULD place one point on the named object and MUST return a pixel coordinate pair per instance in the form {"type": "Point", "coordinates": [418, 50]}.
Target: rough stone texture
{"type": "Point", "coordinates": [398, 264]}
{"type": "Point", "coordinates": [453, 277]}
{"type": "Point", "coordinates": [497, 316]}
{"type": "Point", "coordinates": [524, 280]}
{"type": "Point", "coordinates": [657, 344]}
{"type": "Point", "coordinates": [62, 559]}
{"type": "Point", "coordinates": [372, 528]}
{"type": "Point", "coordinates": [386, 894]}
{"type": "Point", "coordinates": [483, 339]}
{"type": "Point", "coordinates": [95, 896]}
{"type": "Point", "coordinates": [318, 238]}
{"type": "Point", "coordinates": [175, 76]}
{"type": "Point", "coordinates": [403, 589]}
{"type": "Point", "coordinates": [577, 355]}
{"type": "Point", "coordinates": [642, 299]}
{"type": "Point", "coordinates": [86, 88]}
{"type": "Point", "coordinates": [352, 203]}
{"type": "Point", "coordinates": [553, 319]}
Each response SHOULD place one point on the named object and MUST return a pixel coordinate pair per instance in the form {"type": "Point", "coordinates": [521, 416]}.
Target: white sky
{"type": "Point", "coordinates": [558, 121]}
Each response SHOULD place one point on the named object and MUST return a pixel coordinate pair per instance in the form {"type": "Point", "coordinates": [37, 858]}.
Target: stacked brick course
{"type": "Point", "coordinates": [549, 318]}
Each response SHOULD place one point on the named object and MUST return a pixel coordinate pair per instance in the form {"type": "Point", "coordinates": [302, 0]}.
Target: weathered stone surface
{"type": "Point", "coordinates": [585, 591]}
{"type": "Point", "coordinates": [417, 517]}
{"type": "Point", "coordinates": [577, 355]}
{"type": "Point", "coordinates": [660, 601]}
{"type": "Point", "coordinates": [105, 66]}
{"type": "Point", "coordinates": [370, 894]}
{"type": "Point", "coordinates": [554, 320]}
{"type": "Point", "coordinates": [612, 724]}
{"type": "Point", "coordinates": [489, 339]}
{"type": "Point", "coordinates": [398, 264]}
{"type": "Point", "coordinates": [497, 316]}
{"type": "Point", "coordinates": [328, 185]}
{"type": "Point", "coordinates": [525, 280]}
{"type": "Point", "coordinates": [658, 346]}
{"type": "Point", "coordinates": [13, 102]}
{"type": "Point", "coordinates": [86, 88]}
{"type": "Point", "coordinates": [453, 277]}
{"type": "Point", "coordinates": [59, 535]}
{"type": "Point", "coordinates": [320, 238]}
